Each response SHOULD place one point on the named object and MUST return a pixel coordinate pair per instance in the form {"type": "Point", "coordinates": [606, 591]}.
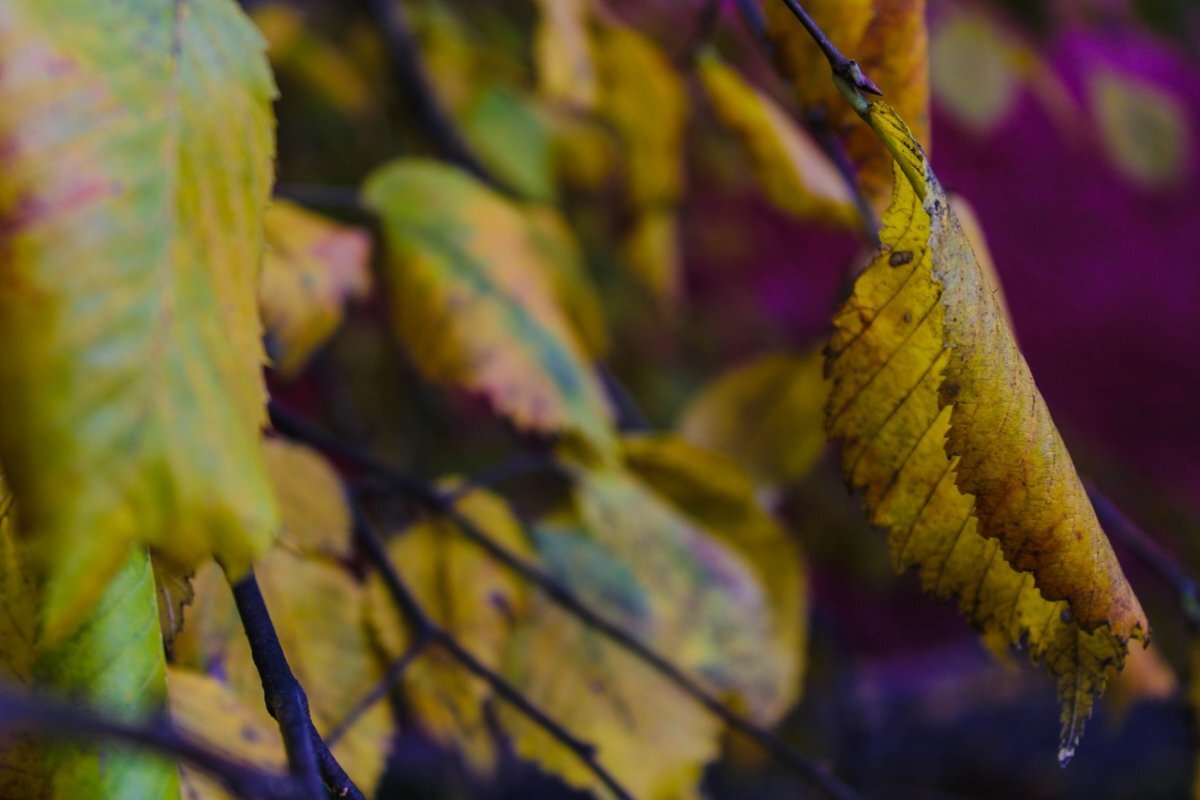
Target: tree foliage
{"type": "Point", "coordinates": [649, 595]}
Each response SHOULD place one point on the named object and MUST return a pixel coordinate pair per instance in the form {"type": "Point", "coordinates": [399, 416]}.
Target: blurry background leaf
{"type": "Point", "coordinates": [793, 172]}
{"type": "Point", "coordinates": [312, 267]}
{"type": "Point", "coordinates": [473, 306]}
{"type": "Point", "coordinates": [1143, 129]}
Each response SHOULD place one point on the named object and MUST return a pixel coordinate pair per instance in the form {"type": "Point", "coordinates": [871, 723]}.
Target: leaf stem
{"type": "Point", "coordinates": [428, 496]}
{"type": "Point", "coordinates": [844, 68]}
{"type": "Point", "coordinates": [308, 755]}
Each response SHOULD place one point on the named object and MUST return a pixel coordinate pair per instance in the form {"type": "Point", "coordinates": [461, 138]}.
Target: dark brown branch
{"type": "Point", "coordinates": [21, 710]}
{"type": "Point", "coordinates": [845, 68]}
{"type": "Point", "coordinates": [392, 19]}
{"type": "Point", "coordinates": [559, 593]}
{"type": "Point", "coordinates": [1149, 552]}
{"type": "Point", "coordinates": [422, 627]}
{"type": "Point", "coordinates": [817, 123]}
{"type": "Point", "coordinates": [308, 755]}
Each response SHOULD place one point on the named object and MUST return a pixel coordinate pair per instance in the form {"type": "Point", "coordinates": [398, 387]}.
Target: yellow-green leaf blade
{"type": "Point", "coordinates": [473, 305]}
{"type": "Point", "coordinates": [135, 167]}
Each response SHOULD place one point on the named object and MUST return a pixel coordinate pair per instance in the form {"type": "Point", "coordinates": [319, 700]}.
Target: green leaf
{"type": "Point", "coordinates": [134, 172]}
{"type": "Point", "coordinates": [113, 661]}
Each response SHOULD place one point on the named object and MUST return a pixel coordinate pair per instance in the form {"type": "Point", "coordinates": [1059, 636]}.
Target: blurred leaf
{"type": "Point", "coordinates": [208, 711]}
{"type": "Point", "coordinates": [789, 166]}
{"type": "Point", "coordinates": [975, 70]}
{"type": "Point", "coordinates": [566, 65]}
{"type": "Point", "coordinates": [942, 427]}
{"type": "Point", "coordinates": [470, 595]}
{"type": "Point", "coordinates": [711, 609]}
{"type": "Point", "coordinates": [651, 253]}
{"type": "Point", "coordinates": [766, 414]}
{"type": "Point", "coordinates": [133, 387]}
{"type": "Point", "coordinates": [645, 729]}
{"type": "Point", "coordinates": [1143, 129]}
{"type": "Point", "coordinates": [711, 490]}
{"type": "Point", "coordinates": [1147, 676]}
{"type": "Point", "coordinates": [319, 613]}
{"type": "Point", "coordinates": [509, 135]}
{"type": "Point", "coordinates": [113, 661]}
{"type": "Point", "coordinates": [297, 50]}
{"type": "Point", "coordinates": [644, 99]}
{"type": "Point", "coordinates": [473, 304]}
{"type": "Point", "coordinates": [316, 521]}
{"type": "Point", "coordinates": [888, 39]}
{"type": "Point", "coordinates": [311, 268]}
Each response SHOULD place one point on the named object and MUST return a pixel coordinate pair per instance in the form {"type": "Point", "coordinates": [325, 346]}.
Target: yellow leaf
{"type": "Point", "coordinates": [793, 172]}
{"type": "Point", "coordinates": [710, 489]}
{"type": "Point", "coordinates": [888, 39]}
{"type": "Point", "coordinates": [566, 67]}
{"type": "Point", "coordinates": [316, 520]}
{"type": "Point", "coordinates": [644, 100]}
{"type": "Point", "coordinates": [646, 731]}
{"type": "Point", "coordinates": [1143, 128]}
{"type": "Point", "coordinates": [651, 253]}
{"type": "Point", "coordinates": [767, 415]}
{"type": "Point", "coordinates": [208, 711]}
{"type": "Point", "coordinates": [134, 173]}
{"type": "Point", "coordinates": [173, 591]}
{"type": "Point", "coordinates": [319, 613]}
{"type": "Point", "coordinates": [473, 304]}
{"type": "Point", "coordinates": [312, 267]}
{"type": "Point", "coordinates": [467, 593]}
{"type": "Point", "coordinates": [942, 427]}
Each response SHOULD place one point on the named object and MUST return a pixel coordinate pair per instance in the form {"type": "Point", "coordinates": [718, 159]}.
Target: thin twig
{"type": "Point", "coordinates": [845, 68]}
{"type": "Point", "coordinates": [380, 690]}
{"type": "Point", "coordinates": [816, 122]}
{"type": "Point", "coordinates": [559, 593]}
{"type": "Point", "coordinates": [21, 710]}
{"type": "Point", "coordinates": [392, 19]}
{"type": "Point", "coordinates": [308, 756]}
{"type": "Point", "coordinates": [422, 627]}
{"type": "Point", "coordinates": [1120, 527]}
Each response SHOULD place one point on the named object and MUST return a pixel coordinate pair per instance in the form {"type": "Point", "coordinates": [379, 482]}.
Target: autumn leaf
{"type": "Point", "coordinates": [945, 432]}
{"type": "Point", "coordinates": [747, 411]}
{"type": "Point", "coordinates": [888, 39]}
{"type": "Point", "coordinates": [712, 491]}
{"type": "Point", "coordinates": [209, 712]}
{"type": "Point", "coordinates": [313, 266]}
{"type": "Point", "coordinates": [643, 100]}
{"type": "Point", "coordinates": [473, 302]}
{"type": "Point", "coordinates": [789, 166]}
{"type": "Point", "coordinates": [134, 173]}
{"type": "Point", "coordinates": [319, 611]}
{"type": "Point", "coordinates": [566, 66]}
{"type": "Point", "coordinates": [562, 263]}
{"type": "Point", "coordinates": [470, 596]}
{"type": "Point", "coordinates": [644, 727]}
